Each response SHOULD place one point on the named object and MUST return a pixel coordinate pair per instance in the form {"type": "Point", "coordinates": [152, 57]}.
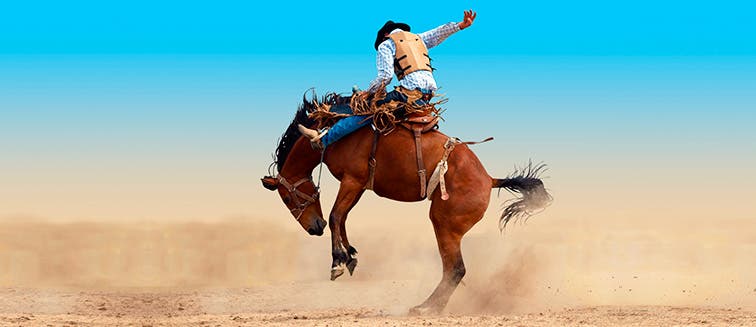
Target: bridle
{"type": "Point", "coordinates": [301, 200]}
{"type": "Point", "coordinates": [298, 195]}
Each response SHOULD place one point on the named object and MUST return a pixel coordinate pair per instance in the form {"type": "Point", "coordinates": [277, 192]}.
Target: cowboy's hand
{"type": "Point", "coordinates": [468, 19]}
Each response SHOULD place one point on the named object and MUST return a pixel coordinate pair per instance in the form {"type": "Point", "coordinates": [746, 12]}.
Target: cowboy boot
{"type": "Point", "coordinates": [313, 136]}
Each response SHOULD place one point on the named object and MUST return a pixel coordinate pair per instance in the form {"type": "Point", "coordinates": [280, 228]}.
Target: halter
{"type": "Point", "coordinates": [298, 195]}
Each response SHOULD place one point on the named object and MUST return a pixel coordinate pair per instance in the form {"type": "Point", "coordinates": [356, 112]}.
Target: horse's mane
{"type": "Point", "coordinates": [302, 116]}
{"type": "Point", "coordinates": [290, 136]}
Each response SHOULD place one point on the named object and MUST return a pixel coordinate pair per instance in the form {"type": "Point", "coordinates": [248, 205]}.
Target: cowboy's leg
{"type": "Point", "coordinates": [343, 127]}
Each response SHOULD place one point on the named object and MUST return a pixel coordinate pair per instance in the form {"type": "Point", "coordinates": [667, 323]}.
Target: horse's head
{"type": "Point", "coordinates": [293, 180]}
{"type": "Point", "coordinates": [302, 198]}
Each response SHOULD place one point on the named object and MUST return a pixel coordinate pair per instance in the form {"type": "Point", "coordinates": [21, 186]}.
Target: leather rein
{"type": "Point", "coordinates": [301, 199]}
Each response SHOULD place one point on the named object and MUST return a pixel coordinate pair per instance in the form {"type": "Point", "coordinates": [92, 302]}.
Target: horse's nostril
{"type": "Point", "coordinates": [317, 227]}
{"type": "Point", "coordinates": [315, 231]}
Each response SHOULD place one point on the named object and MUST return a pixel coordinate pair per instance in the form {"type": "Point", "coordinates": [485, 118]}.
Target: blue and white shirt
{"type": "Point", "coordinates": [422, 79]}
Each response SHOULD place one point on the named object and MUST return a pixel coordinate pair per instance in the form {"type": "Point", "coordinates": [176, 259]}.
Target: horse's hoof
{"type": "Point", "coordinates": [424, 310]}
{"type": "Point", "coordinates": [337, 271]}
{"type": "Point", "coordinates": [351, 264]}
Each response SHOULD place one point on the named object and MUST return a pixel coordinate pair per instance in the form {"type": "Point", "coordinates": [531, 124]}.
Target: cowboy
{"type": "Point", "coordinates": [400, 53]}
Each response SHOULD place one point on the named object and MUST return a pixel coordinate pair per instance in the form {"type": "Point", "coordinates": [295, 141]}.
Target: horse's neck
{"type": "Point", "coordinates": [301, 160]}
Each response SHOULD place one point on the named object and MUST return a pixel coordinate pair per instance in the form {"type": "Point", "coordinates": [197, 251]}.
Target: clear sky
{"type": "Point", "coordinates": [161, 110]}
{"type": "Point", "coordinates": [529, 28]}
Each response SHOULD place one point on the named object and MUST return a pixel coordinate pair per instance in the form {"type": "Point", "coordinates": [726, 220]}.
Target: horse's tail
{"type": "Point", "coordinates": [534, 197]}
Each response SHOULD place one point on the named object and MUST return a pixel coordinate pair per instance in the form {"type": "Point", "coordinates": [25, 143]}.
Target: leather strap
{"type": "Point", "coordinates": [372, 162]}
{"type": "Point", "coordinates": [297, 195]}
{"type": "Point", "coordinates": [418, 131]}
{"type": "Point", "coordinates": [448, 148]}
{"type": "Point", "coordinates": [478, 142]}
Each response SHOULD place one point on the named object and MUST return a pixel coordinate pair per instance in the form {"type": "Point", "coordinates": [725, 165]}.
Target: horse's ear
{"type": "Point", "coordinates": [270, 183]}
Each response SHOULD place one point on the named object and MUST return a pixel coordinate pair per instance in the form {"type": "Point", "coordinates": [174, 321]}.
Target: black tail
{"type": "Point", "coordinates": [534, 197]}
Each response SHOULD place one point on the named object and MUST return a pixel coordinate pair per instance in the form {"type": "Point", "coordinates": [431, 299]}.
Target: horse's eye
{"type": "Point", "coordinates": [286, 199]}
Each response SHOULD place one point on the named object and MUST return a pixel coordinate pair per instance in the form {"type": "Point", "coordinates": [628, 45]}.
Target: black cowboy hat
{"type": "Point", "coordinates": [387, 28]}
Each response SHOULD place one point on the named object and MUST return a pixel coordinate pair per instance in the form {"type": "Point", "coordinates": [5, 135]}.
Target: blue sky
{"type": "Point", "coordinates": [347, 27]}
{"type": "Point", "coordinates": [97, 96]}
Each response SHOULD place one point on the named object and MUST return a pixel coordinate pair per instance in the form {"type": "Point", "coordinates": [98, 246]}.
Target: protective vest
{"type": "Point", "coordinates": [411, 54]}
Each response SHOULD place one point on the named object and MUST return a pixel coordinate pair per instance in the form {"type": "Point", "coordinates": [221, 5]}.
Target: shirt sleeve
{"type": "Point", "coordinates": [437, 35]}
{"type": "Point", "coordinates": [385, 63]}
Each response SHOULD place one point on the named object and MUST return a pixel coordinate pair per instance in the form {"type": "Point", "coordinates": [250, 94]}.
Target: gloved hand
{"type": "Point", "coordinates": [468, 19]}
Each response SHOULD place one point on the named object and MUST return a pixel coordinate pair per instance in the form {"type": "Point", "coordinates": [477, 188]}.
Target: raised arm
{"type": "Point", "coordinates": [437, 35]}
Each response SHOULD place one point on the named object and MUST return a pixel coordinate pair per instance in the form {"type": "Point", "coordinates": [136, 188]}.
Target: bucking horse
{"type": "Point", "coordinates": [388, 165]}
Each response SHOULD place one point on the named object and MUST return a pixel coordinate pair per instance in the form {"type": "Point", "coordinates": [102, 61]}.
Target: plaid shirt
{"type": "Point", "coordinates": [418, 79]}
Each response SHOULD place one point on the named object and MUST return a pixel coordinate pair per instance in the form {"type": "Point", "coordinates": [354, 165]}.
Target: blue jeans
{"type": "Point", "coordinates": [343, 127]}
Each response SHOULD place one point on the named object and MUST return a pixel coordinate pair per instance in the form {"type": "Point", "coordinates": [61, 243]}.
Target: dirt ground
{"type": "Point", "coordinates": [248, 272]}
{"type": "Point", "coordinates": [254, 307]}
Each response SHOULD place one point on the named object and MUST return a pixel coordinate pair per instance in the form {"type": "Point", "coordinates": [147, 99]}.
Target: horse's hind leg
{"type": "Point", "coordinates": [454, 269]}
{"type": "Point", "coordinates": [343, 254]}
{"type": "Point", "coordinates": [451, 220]}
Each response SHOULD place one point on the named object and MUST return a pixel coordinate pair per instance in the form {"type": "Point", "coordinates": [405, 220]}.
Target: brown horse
{"type": "Point", "coordinates": [468, 185]}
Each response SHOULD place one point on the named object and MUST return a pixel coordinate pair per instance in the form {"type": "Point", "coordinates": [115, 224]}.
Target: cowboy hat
{"type": "Point", "coordinates": [387, 28]}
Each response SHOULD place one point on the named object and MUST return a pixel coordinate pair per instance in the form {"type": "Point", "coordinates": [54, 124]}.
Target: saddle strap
{"type": "Point", "coordinates": [372, 162]}
{"type": "Point", "coordinates": [418, 131]}
{"type": "Point", "coordinates": [437, 178]}
{"type": "Point", "coordinates": [477, 142]}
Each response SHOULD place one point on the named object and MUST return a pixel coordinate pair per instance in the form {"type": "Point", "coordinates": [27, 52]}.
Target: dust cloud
{"type": "Point", "coordinates": [542, 265]}
{"type": "Point", "coordinates": [555, 265]}
{"type": "Point", "coordinates": [96, 255]}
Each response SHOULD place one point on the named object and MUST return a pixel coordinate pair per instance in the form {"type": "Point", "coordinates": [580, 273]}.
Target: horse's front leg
{"type": "Point", "coordinates": [343, 254]}
{"type": "Point", "coordinates": [351, 251]}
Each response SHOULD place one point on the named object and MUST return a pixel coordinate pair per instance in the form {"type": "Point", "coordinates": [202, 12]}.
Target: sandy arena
{"type": "Point", "coordinates": [242, 272]}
